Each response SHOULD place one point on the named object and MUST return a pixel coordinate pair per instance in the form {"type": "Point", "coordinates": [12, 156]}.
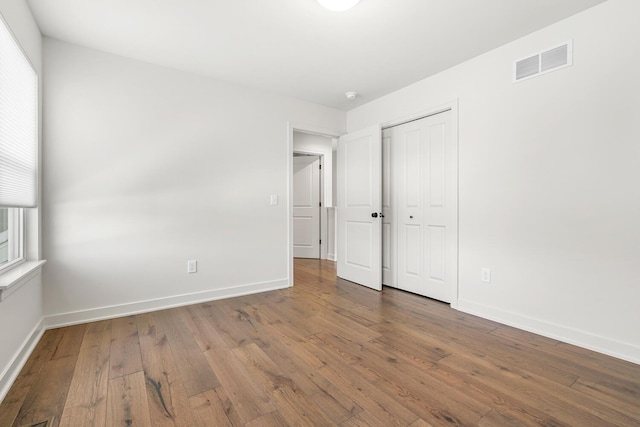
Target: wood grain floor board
{"type": "Point", "coordinates": [70, 341]}
{"type": "Point", "coordinates": [196, 374]}
{"type": "Point", "coordinates": [206, 332]}
{"type": "Point", "coordinates": [435, 401]}
{"type": "Point", "coordinates": [166, 396]}
{"type": "Point", "coordinates": [43, 351]}
{"type": "Point", "coordinates": [47, 395]}
{"type": "Point", "coordinates": [324, 352]}
{"type": "Point", "coordinates": [383, 408]}
{"type": "Point", "coordinates": [231, 330]}
{"type": "Point", "coordinates": [625, 401]}
{"type": "Point", "coordinates": [297, 358]}
{"type": "Point", "coordinates": [289, 350]}
{"type": "Point", "coordinates": [291, 401]}
{"type": "Point", "coordinates": [125, 348]}
{"type": "Point", "coordinates": [15, 398]}
{"type": "Point", "coordinates": [272, 419]}
{"type": "Point", "coordinates": [571, 408]}
{"type": "Point", "coordinates": [247, 396]}
{"type": "Point", "coordinates": [127, 401]}
{"type": "Point", "coordinates": [297, 361]}
{"type": "Point", "coordinates": [86, 402]}
{"type": "Point", "coordinates": [363, 390]}
{"type": "Point", "coordinates": [208, 410]}
{"type": "Point", "coordinates": [486, 345]}
{"type": "Point", "coordinates": [335, 404]}
{"type": "Point", "coordinates": [413, 352]}
{"type": "Point", "coordinates": [502, 399]}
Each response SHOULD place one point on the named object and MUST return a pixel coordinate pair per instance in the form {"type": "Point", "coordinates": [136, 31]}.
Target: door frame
{"type": "Point", "coordinates": [304, 128]}
{"type": "Point", "coordinates": [453, 107]}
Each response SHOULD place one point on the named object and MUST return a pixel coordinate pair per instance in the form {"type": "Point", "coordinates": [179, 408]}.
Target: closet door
{"type": "Point", "coordinates": [425, 170]}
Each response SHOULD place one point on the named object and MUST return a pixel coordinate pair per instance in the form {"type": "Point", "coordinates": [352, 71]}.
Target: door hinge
{"type": "Point", "coordinates": [320, 166]}
{"type": "Point", "coordinates": [320, 204]}
{"type": "Point", "coordinates": [320, 241]}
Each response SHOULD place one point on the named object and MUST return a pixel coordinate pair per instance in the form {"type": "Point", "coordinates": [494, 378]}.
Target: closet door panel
{"type": "Point", "coordinates": [425, 165]}
{"type": "Point", "coordinates": [410, 166]}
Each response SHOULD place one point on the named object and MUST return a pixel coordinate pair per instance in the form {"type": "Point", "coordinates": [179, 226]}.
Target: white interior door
{"type": "Point", "coordinates": [426, 165]}
{"type": "Point", "coordinates": [359, 207]}
{"type": "Point", "coordinates": [306, 207]}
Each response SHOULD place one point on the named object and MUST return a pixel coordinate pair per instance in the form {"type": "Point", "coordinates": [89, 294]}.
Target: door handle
{"type": "Point", "coordinates": [374, 215]}
{"type": "Point", "coordinates": [381, 215]}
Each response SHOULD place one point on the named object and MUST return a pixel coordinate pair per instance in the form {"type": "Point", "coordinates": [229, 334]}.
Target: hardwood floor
{"type": "Point", "coordinates": [325, 352]}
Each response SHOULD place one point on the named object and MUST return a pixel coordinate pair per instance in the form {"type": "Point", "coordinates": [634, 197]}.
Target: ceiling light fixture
{"type": "Point", "coordinates": [338, 5]}
{"type": "Point", "coordinates": [351, 95]}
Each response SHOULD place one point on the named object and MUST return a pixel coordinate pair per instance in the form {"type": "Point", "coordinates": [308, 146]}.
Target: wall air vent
{"type": "Point", "coordinates": [543, 62]}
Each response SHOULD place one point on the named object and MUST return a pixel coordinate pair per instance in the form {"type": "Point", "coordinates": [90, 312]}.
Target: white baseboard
{"type": "Point", "coordinates": [331, 257]}
{"type": "Point", "coordinates": [604, 345]}
{"type": "Point", "coordinates": [109, 312]}
{"type": "Point", "coordinates": [12, 370]}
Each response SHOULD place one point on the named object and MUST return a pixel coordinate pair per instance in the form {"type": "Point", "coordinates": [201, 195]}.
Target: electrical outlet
{"type": "Point", "coordinates": [486, 275]}
{"type": "Point", "coordinates": [192, 266]}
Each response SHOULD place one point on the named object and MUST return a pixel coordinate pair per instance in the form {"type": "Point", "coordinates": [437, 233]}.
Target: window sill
{"type": "Point", "coordinates": [13, 279]}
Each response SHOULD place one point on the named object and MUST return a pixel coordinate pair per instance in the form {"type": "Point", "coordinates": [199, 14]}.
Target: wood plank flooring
{"type": "Point", "coordinates": [325, 352]}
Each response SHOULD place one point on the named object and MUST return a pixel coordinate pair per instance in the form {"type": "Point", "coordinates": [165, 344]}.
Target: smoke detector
{"type": "Point", "coordinates": [351, 95]}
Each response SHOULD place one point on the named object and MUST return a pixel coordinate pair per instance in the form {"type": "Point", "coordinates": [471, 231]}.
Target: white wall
{"type": "Point", "coordinates": [147, 167]}
{"type": "Point", "coordinates": [21, 313]}
{"type": "Point", "coordinates": [549, 170]}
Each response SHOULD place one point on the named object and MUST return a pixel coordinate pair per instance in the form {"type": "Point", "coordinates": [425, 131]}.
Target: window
{"type": "Point", "coordinates": [11, 247]}
{"type": "Point", "coordinates": [18, 146]}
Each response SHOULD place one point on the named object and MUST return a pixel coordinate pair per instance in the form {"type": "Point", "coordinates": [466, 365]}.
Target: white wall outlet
{"type": "Point", "coordinates": [192, 266]}
{"type": "Point", "coordinates": [274, 200]}
{"type": "Point", "coordinates": [486, 275]}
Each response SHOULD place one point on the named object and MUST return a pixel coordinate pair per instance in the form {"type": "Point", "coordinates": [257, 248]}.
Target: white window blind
{"type": "Point", "coordinates": [18, 124]}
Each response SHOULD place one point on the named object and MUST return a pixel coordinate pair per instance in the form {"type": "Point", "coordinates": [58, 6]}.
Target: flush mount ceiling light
{"type": "Point", "coordinates": [338, 5]}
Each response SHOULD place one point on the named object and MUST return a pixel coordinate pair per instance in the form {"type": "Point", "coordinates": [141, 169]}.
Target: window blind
{"type": "Point", "coordinates": [18, 124]}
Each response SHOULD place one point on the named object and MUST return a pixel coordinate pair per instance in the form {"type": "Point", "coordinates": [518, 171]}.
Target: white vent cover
{"type": "Point", "coordinates": [543, 62]}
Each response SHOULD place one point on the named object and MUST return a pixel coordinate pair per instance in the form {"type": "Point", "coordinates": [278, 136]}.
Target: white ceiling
{"type": "Point", "coordinates": [297, 48]}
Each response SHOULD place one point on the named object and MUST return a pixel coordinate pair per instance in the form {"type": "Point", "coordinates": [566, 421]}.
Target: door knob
{"type": "Point", "coordinates": [374, 215]}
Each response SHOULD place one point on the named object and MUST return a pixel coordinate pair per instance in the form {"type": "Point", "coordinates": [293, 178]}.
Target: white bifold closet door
{"type": "Point", "coordinates": [422, 212]}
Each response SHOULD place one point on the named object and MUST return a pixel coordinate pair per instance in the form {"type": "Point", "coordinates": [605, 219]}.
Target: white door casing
{"type": "Point", "coordinates": [426, 167]}
{"type": "Point", "coordinates": [306, 207]}
{"type": "Point", "coordinates": [359, 207]}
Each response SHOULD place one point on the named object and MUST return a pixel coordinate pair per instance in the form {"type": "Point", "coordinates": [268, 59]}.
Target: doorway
{"type": "Point", "coordinates": [307, 142]}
